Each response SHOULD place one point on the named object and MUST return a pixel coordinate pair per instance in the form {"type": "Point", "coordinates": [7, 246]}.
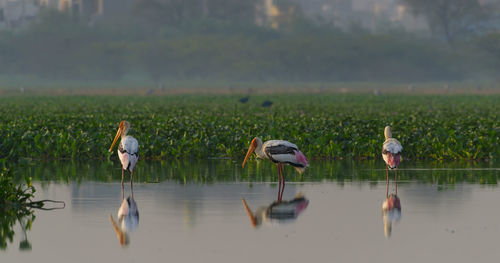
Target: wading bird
{"type": "Point", "coordinates": [267, 103]}
{"type": "Point", "coordinates": [244, 99]}
{"type": "Point", "coordinates": [128, 149]}
{"type": "Point", "coordinates": [279, 152]}
{"type": "Point", "coordinates": [391, 152]}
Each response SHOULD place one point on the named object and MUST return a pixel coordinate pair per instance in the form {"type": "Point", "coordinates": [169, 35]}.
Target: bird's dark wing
{"type": "Point", "coordinates": [280, 149]}
{"type": "Point", "coordinates": [276, 151]}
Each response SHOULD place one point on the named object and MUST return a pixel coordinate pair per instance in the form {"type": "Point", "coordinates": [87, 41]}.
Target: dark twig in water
{"type": "Point", "coordinates": [39, 204]}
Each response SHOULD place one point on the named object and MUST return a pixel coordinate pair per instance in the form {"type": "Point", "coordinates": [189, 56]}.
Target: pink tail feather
{"type": "Point", "coordinates": [301, 158]}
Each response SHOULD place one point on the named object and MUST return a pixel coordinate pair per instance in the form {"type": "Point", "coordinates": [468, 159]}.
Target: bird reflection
{"type": "Point", "coordinates": [128, 218]}
{"type": "Point", "coordinates": [278, 212]}
{"type": "Point", "coordinates": [391, 210]}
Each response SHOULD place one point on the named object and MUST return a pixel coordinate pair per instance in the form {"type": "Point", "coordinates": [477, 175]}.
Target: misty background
{"type": "Point", "coordinates": [159, 41]}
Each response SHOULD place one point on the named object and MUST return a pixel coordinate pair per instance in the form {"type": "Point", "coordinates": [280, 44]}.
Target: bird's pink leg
{"type": "Point", "coordinates": [122, 182]}
{"type": "Point", "coordinates": [283, 184]}
{"type": "Point", "coordinates": [123, 193]}
{"type": "Point", "coordinates": [396, 180]}
{"type": "Point", "coordinates": [279, 182]}
{"type": "Point", "coordinates": [131, 186]}
{"type": "Point", "coordinates": [387, 184]}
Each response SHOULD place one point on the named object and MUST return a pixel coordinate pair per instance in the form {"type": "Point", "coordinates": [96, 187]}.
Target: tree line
{"type": "Point", "coordinates": [171, 39]}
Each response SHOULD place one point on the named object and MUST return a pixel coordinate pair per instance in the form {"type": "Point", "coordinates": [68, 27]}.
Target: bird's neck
{"type": "Point", "coordinates": [259, 150]}
{"type": "Point", "coordinates": [124, 133]}
{"type": "Point", "coordinates": [387, 133]}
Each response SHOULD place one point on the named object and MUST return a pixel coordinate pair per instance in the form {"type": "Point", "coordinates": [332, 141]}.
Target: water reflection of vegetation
{"type": "Point", "coordinates": [212, 171]}
{"type": "Point", "coordinates": [14, 207]}
{"type": "Point", "coordinates": [17, 205]}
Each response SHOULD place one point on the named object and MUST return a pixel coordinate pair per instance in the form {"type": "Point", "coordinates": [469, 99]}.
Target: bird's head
{"type": "Point", "coordinates": [393, 160]}
{"type": "Point", "coordinates": [256, 142]}
{"type": "Point", "coordinates": [122, 131]}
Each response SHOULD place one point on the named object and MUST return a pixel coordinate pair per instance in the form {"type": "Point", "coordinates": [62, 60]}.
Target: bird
{"type": "Point", "coordinates": [244, 99]}
{"type": "Point", "coordinates": [279, 152]}
{"type": "Point", "coordinates": [391, 152]}
{"type": "Point", "coordinates": [128, 149]}
{"type": "Point", "coordinates": [267, 103]}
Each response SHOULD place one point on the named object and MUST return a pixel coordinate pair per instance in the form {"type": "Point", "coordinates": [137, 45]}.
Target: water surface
{"type": "Point", "coordinates": [192, 211]}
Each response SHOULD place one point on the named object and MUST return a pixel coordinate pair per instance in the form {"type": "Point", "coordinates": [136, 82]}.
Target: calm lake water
{"type": "Point", "coordinates": [192, 211]}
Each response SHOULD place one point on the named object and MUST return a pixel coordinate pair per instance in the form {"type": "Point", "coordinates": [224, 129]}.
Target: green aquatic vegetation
{"type": "Point", "coordinates": [331, 126]}
{"type": "Point", "coordinates": [15, 206]}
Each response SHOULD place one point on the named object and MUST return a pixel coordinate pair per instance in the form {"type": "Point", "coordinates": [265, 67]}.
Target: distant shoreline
{"type": "Point", "coordinates": [231, 88]}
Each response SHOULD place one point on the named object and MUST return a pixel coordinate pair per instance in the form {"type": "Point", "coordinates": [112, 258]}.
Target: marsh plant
{"type": "Point", "coordinates": [324, 126]}
{"type": "Point", "coordinates": [17, 205]}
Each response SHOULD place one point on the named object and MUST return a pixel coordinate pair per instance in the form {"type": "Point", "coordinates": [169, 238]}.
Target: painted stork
{"type": "Point", "coordinates": [128, 149]}
{"type": "Point", "coordinates": [391, 152]}
{"type": "Point", "coordinates": [267, 103]}
{"type": "Point", "coordinates": [244, 99]}
{"type": "Point", "coordinates": [279, 152]}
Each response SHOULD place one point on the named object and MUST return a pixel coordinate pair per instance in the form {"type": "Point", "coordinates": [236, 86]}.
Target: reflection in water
{"type": "Point", "coordinates": [8, 219]}
{"type": "Point", "coordinates": [17, 206]}
{"type": "Point", "coordinates": [128, 218]}
{"type": "Point", "coordinates": [210, 171]}
{"type": "Point", "coordinates": [278, 211]}
{"type": "Point", "coordinates": [25, 225]}
{"type": "Point", "coordinates": [391, 209]}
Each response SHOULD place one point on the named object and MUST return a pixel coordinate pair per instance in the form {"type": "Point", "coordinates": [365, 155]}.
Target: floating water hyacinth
{"type": "Point", "coordinates": [336, 126]}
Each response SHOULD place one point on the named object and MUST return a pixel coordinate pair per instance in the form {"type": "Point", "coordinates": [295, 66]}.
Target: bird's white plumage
{"type": "Point", "coordinates": [131, 147]}
{"type": "Point", "coordinates": [392, 145]}
{"type": "Point", "coordinates": [272, 143]}
{"type": "Point", "coordinates": [296, 158]}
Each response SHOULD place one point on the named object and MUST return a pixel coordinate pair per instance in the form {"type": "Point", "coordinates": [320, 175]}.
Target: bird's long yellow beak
{"type": "Point", "coordinates": [253, 219]}
{"type": "Point", "coordinates": [118, 135]}
{"type": "Point", "coordinates": [250, 151]}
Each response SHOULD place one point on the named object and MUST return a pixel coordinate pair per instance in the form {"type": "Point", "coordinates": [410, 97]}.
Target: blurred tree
{"type": "Point", "coordinates": [156, 58]}
{"type": "Point", "coordinates": [242, 11]}
{"type": "Point", "coordinates": [450, 17]}
{"type": "Point", "coordinates": [177, 12]}
{"type": "Point", "coordinates": [167, 12]}
{"type": "Point", "coordinates": [490, 44]}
